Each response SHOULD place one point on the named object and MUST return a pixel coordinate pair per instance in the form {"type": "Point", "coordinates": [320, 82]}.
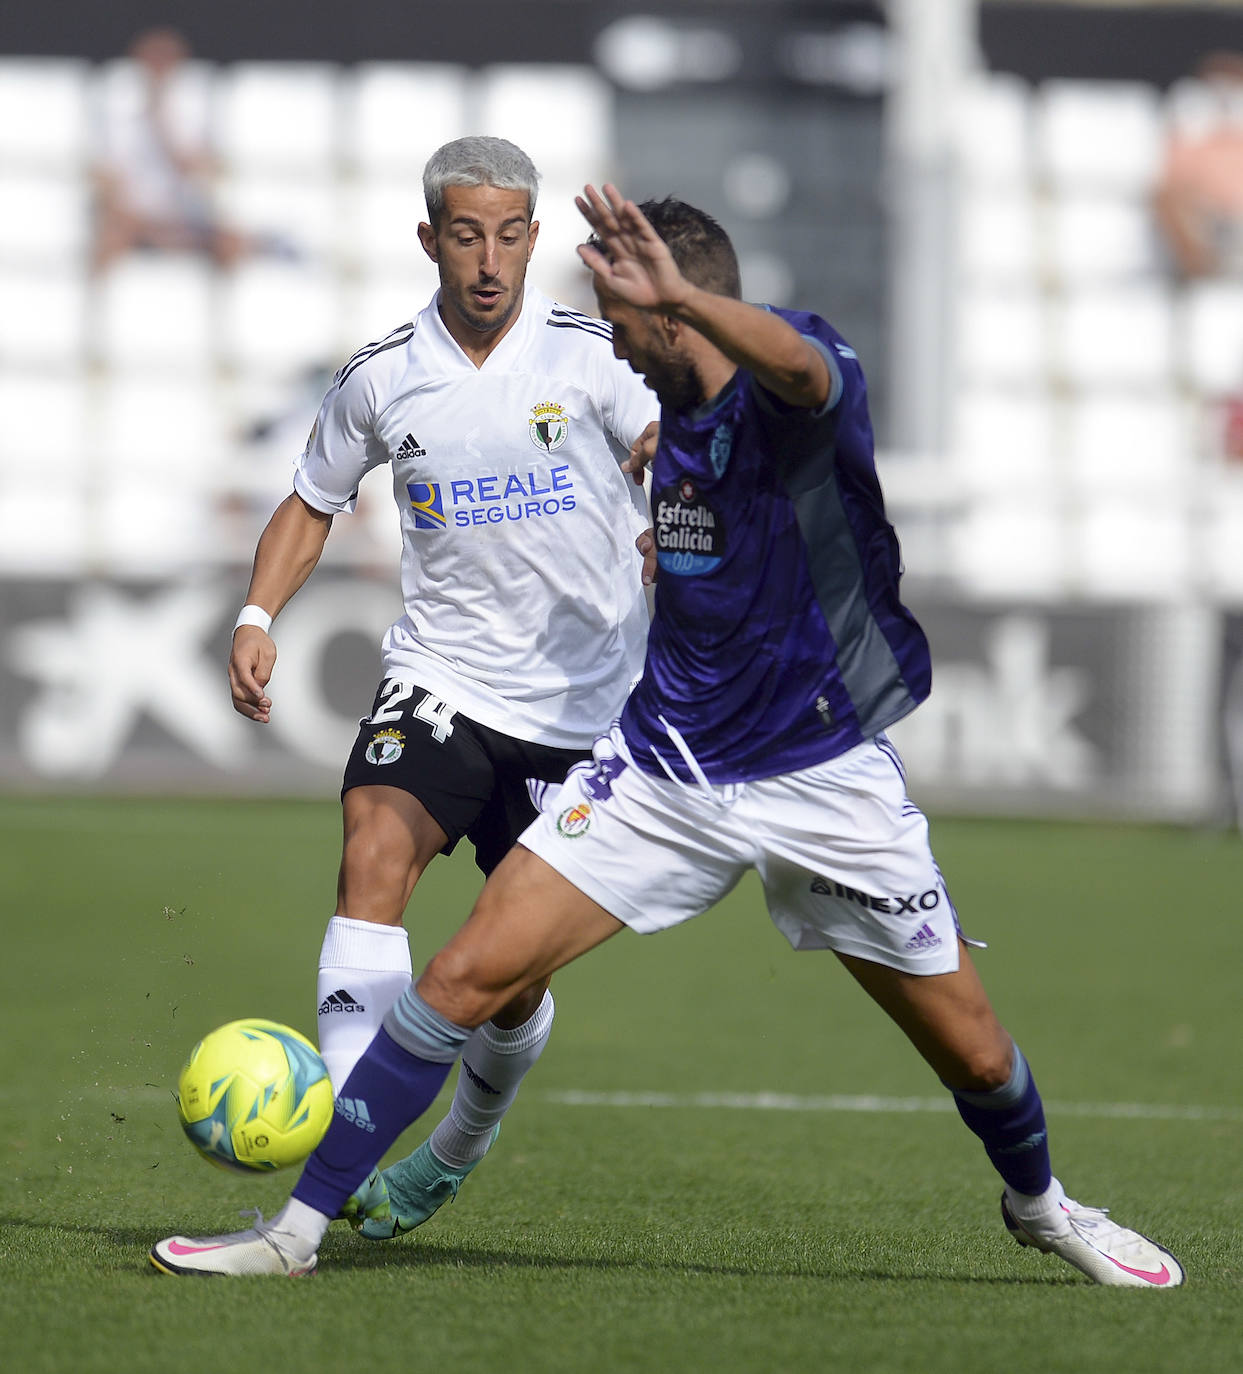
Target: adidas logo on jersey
{"type": "Point", "coordinates": [340, 1001]}
{"type": "Point", "coordinates": [924, 938]}
{"type": "Point", "coordinates": [410, 448]}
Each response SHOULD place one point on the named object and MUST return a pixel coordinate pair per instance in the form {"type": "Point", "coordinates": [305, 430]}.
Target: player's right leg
{"type": "Point", "coordinates": [414, 783]}
{"type": "Point", "coordinates": [364, 963]}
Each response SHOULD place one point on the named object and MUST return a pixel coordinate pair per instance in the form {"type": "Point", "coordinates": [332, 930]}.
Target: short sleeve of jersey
{"type": "Point", "coordinates": [342, 446]}
{"type": "Point", "coordinates": [627, 404]}
{"type": "Point", "coordinates": [839, 358]}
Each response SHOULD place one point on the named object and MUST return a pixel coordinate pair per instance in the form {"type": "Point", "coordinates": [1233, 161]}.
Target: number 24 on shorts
{"type": "Point", "coordinates": [431, 710]}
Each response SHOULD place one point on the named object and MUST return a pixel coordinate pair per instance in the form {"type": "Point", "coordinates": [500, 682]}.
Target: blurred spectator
{"type": "Point", "coordinates": [152, 178]}
{"type": "Point", "coordinates": [1199, 198]}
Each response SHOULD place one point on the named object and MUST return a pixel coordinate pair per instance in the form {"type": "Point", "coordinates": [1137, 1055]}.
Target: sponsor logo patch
{"type": "Point", "coordinates": [427, 504]}
{"type": "Point", "coordinates": [910, 905]}
{"type": "Point", "coordinates": [690, 537]}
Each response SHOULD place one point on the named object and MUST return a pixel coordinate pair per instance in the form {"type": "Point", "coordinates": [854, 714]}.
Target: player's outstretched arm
{"type": "Point", "coordinates": [637, 267]}
{"type": "Point", "coordinates": [288, 550]}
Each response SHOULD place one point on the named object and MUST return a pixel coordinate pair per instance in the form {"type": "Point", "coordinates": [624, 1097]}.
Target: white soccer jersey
{"type": "Point", "coordinates": [524, 607]}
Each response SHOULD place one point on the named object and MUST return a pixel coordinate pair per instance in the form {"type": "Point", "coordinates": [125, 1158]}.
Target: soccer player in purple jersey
{"type": "Point", "coordinates": [778, 654]}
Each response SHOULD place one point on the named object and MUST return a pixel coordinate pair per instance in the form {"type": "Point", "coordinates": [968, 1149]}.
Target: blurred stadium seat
{"type": "Point", "coordinates": [45, 428]}
{"type": "Point", "coordinates": [382, 216]}
{"type": "Point", "coordinates": [281, 117]}
{"type": "Point", "coordinates": [560, 115]}
{"type": "Point", "coordinates": [1012, 547]}
{"type": "Point", "coordinates": [993, 131]}
{"type": "Point", "coordinates": [1110, 336]}
{"type": "Point", "coordinates": [1096, 238]}
{"type": "Point", "coordinates": [168, 430]}
{"type": "Point", "coordinates": [1212, 337]}
{"type": "Point", "coordinates": [1098, 135]}
{"type": "Point", "coordinates": [156, 312]}
{"type": "Point", "coordinates": [45, 222]}
{"type": "Point", "coordinates": [1138, 446]}
{"type": "Point", "coordinates": [398, 114]}
{"type": "Point", "coordinates": [1005, 441]}
{"type": "Point", "coordinates": [377, 302]}
{"type": "Point", "coordinates": [1002, 336]}
{"type": "Point", "coordinates": [279, 317]}
{"type": "Point", "coordinates": [292, 215]}
{"type": "Point", "coordinates": [43, 317]}
{"type": "Point", "coordinates": [56, 137]}
{"type": "Point", "coordinates": [46, 526]}
{"type": "Point", "coordinates": [998, 242]}
{"type": "Point", "coordinates": [1132, 550]}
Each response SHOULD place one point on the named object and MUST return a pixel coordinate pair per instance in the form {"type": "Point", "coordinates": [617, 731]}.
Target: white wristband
{"type": "Point", "coordinates": [253, 615]}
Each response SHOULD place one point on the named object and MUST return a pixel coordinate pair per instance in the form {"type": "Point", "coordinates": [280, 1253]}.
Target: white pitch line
{"type": "Point", "coordinates": [790, 1102]}
{"type": "Point", "coordinates": [757, 1102]}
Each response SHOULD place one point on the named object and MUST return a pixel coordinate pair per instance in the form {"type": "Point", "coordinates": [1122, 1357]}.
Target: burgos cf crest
{"type": "Point", "coordinates": [428, 507]}
{"type": "Point", "coordinates": [386, 747]}
{"type": "Point", "coordinates": [549, 426]}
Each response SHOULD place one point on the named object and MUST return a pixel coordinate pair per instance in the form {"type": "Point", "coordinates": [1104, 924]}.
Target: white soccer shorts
{"type": "Point", "coordinates": [842, 852]}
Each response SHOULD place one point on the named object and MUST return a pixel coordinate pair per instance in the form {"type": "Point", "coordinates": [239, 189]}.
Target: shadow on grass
{"type": "Point", "coordinates": [339, 1255]}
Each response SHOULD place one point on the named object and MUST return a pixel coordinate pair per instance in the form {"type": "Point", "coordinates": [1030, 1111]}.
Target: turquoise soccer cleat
{"type": "Point", "coordinates": [407, 1193]}
{"type": "Point", "coordinates": [368, 1203]}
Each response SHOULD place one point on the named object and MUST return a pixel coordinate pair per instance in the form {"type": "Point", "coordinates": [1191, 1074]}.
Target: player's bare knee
{"type": "Point", "coordinates": [451, 983]}
{"type": "Point", "coordinates": [985, 1066]}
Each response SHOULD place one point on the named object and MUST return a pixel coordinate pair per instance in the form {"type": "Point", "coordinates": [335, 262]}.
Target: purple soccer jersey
{"type": "Point", "coordinates": [779, 639]}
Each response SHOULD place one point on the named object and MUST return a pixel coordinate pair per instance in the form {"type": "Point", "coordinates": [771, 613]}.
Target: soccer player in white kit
{"type": "Point", "coordinates": [755, 739]}
{"type": "Point", "coordinates": [507, 424]}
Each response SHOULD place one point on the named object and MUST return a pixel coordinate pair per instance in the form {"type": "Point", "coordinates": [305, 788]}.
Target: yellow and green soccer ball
{"type": "Point", "coordinates": [254, 1095]}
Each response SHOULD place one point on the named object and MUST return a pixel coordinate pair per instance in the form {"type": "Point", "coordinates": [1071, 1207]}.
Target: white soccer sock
{"type": "Point", "coordinates": [494, 1063]}
{"type": "Point", "coordinates": [1042, 1212]}
{"type": "Point", "coordinates": [301, 1229]}
{"type": "Point", "coordinates": [363, 969]}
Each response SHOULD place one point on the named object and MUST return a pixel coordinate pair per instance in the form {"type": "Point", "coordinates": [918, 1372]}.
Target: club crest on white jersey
{"type": "Point", "coordinates": [549, 426]}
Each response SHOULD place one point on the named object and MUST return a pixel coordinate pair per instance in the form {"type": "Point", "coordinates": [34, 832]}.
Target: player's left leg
{"type": "Point", "coordinates": [949, 1020]}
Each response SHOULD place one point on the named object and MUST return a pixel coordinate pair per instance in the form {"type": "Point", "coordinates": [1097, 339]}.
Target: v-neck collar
{"type": "Point", "coordinates": [519, 326]}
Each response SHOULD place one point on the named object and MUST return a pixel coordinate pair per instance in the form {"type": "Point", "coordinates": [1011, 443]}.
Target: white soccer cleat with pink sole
{"type": "Point", "coordinates": [1106, 1252]}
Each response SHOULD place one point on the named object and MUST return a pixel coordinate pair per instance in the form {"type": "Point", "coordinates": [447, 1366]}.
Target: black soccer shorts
{"type": "Point", "coordinates": [472, 779]}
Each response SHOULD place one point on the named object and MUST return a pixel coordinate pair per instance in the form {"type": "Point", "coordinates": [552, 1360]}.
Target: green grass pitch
{"type": "Point", "coordinates": [647, 1208]}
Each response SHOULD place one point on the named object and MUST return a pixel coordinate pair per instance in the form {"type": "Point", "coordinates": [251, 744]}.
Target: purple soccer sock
{"type": "Point", "coordinates": [1010, 1122]}
{"type": "Point", "coordinates": [388, 1089]}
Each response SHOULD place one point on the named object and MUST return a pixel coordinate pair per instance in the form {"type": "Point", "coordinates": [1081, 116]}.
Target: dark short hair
{"type": "Point", "coordinates": [700, 247]}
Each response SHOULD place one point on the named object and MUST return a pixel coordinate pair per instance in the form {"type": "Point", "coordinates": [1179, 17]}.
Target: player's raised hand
{"type": "Point", "coordinates": [635, 264]}
{"type": "Point", "coordinates": [251, 661]}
